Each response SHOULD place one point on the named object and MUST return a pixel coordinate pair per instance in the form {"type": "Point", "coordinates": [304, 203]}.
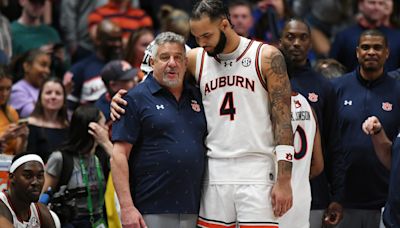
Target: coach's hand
{"type": "Point", "coordinates": [281, 197]}
{"type": "Point", "coordinates": [333, 214]}
{"type": "Point", "coordinates": [131, 218]}
{"type": "Point", "coordinates": [116, 105]}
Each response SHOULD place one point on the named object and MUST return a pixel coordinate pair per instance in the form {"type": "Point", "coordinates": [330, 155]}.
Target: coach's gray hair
{"type": "Point", "coordinates": [167, 37]}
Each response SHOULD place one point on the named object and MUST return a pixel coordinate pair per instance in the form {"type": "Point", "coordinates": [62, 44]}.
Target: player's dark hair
{"type": "Point", "coordinates": [301, 20]}
{"type": "Point", "coordinates": [214, 9]}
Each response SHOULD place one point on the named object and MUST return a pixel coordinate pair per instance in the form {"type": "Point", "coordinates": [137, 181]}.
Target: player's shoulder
{"type": "Point", "coordinates": [192, 58]}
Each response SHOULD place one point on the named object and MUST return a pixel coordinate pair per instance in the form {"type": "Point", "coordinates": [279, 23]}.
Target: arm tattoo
{"type": "Point", "coordinates": [279, 95]}
{"type": "Point", "coordinates": [278, 65]}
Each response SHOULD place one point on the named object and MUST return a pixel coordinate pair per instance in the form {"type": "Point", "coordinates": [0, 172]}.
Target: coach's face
{"type": "Point", "coordinates": [372, 53]}
{"type": "Point", "coordinates": [209, 34]}
{"type": "Point", "coordinates": [169, 65]}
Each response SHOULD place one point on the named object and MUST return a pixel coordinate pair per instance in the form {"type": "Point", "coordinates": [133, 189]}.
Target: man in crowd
{"type": "Point", "coordinates": [28, 32]}
{"type": "Point", "coordinates": [241, 17]}
{"type": "Point", "coordinates": [84, 76]}
{"type": "Point", "coordinates": [116, 75]}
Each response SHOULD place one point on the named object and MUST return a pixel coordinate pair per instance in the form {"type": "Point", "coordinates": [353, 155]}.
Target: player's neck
{"type": "Point", "coordinates": [232, 42]}
{"type": "Point", "coordinates": [21, 209]}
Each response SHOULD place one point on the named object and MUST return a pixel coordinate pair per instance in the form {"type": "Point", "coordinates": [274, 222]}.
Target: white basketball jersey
{"type": "Point", "coordinates": [304, 128]}
{"type": "Point", "coordinates": [236, 104]}
{"type": "Point", "coordinates": [34, 220]}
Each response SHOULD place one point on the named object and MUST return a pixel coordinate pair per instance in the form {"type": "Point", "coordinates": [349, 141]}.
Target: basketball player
{"type": "Point", "coordinates": [18, 205]}
{"type": "Point", "coordinates": [246, 97]}
{"type": "Point", "coordinates": [308, 162]}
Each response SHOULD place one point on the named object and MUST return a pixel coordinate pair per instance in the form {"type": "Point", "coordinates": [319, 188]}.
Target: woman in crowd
{"type": "Point", "coordinates": [48, 123]}
{"type": "Point", "coordinates": [24, 93]}
{"type": "Point", "coordinates": [137, 43]}
{"type": "Point", "coordinates": [12, 135]}
{"type": "Point", "coordinates": [88, 136]}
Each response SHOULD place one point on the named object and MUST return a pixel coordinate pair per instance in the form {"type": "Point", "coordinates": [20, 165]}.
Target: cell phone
{"type": "Point", "coordinates": [22, 121]}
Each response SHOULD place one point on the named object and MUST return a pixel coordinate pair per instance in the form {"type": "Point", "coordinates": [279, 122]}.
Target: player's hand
{"type": "Point", "coordinates": [333, 214]}
{"type": "Point", "coordinates": [281, 197]}
{"type": "Point", "coordinates": [371, 125]}
{"type": "Point", "coordinates": [116, 103]}
{"type": "Point", "coordinates": [131, 218]}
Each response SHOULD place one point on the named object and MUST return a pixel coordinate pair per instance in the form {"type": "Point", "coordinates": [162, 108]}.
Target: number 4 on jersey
{"type": "Point", "coordinates": [227, 106]}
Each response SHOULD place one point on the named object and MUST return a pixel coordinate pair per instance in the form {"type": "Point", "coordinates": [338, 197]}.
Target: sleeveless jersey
{"type": "Point", "coordinates": [34, 220]}
{"type": "Point", "coordinates": [236, 103]}
{"type": "Point", "coordinates": [304, 129]}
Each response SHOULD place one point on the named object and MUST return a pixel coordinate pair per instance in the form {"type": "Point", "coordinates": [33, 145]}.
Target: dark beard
{"type": "Point", "coordinates": [220, 45]}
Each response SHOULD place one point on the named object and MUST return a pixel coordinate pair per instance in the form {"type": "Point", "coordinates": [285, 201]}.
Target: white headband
{"type": "Point", "coordinates": [24, 159]}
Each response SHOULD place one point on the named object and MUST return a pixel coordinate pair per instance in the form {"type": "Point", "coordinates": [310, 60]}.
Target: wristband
{"type": "Point", "coordinates": [284, 153]}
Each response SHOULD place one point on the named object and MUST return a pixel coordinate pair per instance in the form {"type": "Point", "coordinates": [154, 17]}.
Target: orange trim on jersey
{"type": "Point", "coordinates": [217, 59]}
{"type": "Point", "coordinates": [204, 224]}
{"type": "Point", "coordinates": [39, 213]}
{"type": "Point", "coordinates": [259, 74]}
{"type": "Point", "coordinates": [258, 226]}
{"type": "Point", "coordinates": [201, 66]}
{"type": "Point", "coordinates": [244, 52]}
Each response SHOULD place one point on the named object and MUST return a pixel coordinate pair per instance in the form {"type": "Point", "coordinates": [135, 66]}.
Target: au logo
{"type": "Point", "coordinates": [246, 62]}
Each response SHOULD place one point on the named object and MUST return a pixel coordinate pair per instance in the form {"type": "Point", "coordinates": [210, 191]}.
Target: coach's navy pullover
{"type": "Point", "coordinates": [321, 95]}
{"type": "Point", "coordinates": [366, 184]}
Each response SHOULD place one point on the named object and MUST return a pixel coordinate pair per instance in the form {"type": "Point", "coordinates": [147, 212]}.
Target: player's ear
{"type": "Point", "coordinates": [225, 23]}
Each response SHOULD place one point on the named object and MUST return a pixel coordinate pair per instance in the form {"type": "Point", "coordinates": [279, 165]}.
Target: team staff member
{"type": "Point", "coordinates": [327, 188]}
{"type": "Point", "coordinates": [158, 156]}
{"type": "Point", "coordinates": [19, 204]}
{"type": "Point", "coordinates": [389, 154]}
{"type": "Point", "coordinates": [362, 93]}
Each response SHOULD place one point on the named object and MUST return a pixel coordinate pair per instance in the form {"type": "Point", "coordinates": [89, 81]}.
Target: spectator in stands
{"type": "Point", "coordinates": [325, 18]}
{"type": "Point", "coordinates": [85, 74]}
{"type": "Point", "coordinates": [24, 93]}
{"type": "Point", "coordinates": [12, 135]}
{"type": "Point", "coordinates": [364, 92]}
{"type": "Point", "coordinates": [123, 14]}
{"type": "Point", "coordinates": [88, 135]}
{"type": "Point", "coordinates": [269, 18]}
{"type": "Point", "coordinates": [116, 75]}
{"type": "Point", "coordinates": [391, 16]}
{"type": "Point", "coordinates": [28, 32]}
{"type": "Point", "coordinates": [74, 24]}
{"type": "Point", "coordinates": [138, 41]}
{"type": "Point", "coordinates": [5, 34]}
{"type": "Point", "coordinates": [48, 123]}
{"type": "Point", "coordinates": [153, 8]}
{"type": "Point", "coordinates": [172, 20]}
{"type": "Point", "coordinates": [241, 17]}
{"type": "Point", "coordinates": [371, 15]}
{"type": "Point", "coordinates": [329, 68]}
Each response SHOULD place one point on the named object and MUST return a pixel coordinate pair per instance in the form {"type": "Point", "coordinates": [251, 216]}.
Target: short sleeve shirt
{"type": "Point", "coordinates": [167, 160]}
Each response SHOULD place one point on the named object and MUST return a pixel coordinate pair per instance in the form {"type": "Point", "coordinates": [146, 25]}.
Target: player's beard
{"type": "Point", "coordinates": [220, 45]}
